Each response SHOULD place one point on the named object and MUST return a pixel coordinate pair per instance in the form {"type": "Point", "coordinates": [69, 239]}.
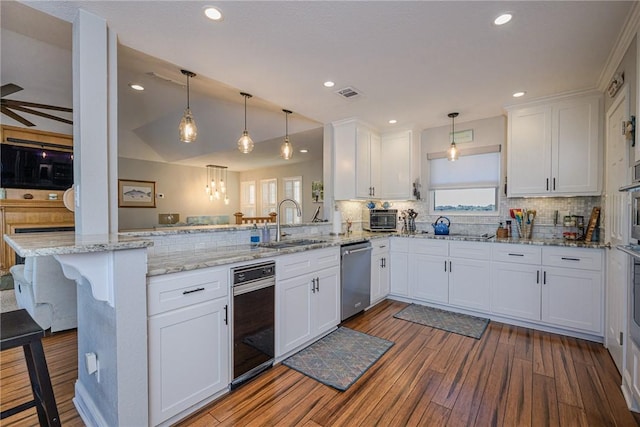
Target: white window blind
{"type": "Point", "coordinates": [473, 171]}
{"type": "Point", "coordinates": [269, 196]}
{"type": "Point", "coordinates": [248, 198]}
{"type": "Point", "coordinates": [292, 190]}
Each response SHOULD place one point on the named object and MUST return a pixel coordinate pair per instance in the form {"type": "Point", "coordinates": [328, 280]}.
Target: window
{"type": "Point", "coordinates": [468, 185]}
{"type": "Point", "coordinates": [248, 198]}
{"type": "Point", "coordinates": [269, 196]}
{"type": "Point", "coordinates": [292, 190]}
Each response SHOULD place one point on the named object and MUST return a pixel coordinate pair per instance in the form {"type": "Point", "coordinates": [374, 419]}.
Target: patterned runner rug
{"type": "Point", "coordinates": [340, 358]}
{"type": "Point", "coordinates": [462, 324]}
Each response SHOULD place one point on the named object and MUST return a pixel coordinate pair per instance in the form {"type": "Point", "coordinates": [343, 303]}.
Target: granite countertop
{"type": "Point", "coordinates": [67, 242]}
{"type": "Point", "coordinates": [192, 260]}
{"type": "Point", "coordinates": [58, 243]}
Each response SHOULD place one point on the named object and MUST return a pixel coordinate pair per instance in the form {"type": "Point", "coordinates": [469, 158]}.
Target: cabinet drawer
{"type": "Point", "coordinates": [470, 250]}
{"type": "Point", "coordinates": [176, 290]}
{"type": "Point", "coordinates": [380, 246]}
{"type": "Point", "coordinates": [583, 259]}
{"type": "Point", "coordinates": [305, 262]}
{"type": "Point", "coordinates": [399, 244]}
{"type": "Point", "coordinates": [522, 254]}
{"type": "Point", "coordinates": [429, 247]}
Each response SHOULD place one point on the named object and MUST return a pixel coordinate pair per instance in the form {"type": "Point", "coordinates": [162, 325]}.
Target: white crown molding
{"type": "Point", "coordinates": [628, 32]}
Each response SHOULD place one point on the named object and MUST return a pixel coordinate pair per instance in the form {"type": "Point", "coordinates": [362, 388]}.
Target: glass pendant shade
{"type": "Point", "coordinates": [452, 152]}
{"type": "Point", "coordinates": [286, 149]}
{"type": "Point", "coordinates": [188, 129]}
{"type": "Point", "coordinates": [245, 143]}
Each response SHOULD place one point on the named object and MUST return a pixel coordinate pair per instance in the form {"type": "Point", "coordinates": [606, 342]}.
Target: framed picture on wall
{"type": "Point", "coordinates": [136, 194]}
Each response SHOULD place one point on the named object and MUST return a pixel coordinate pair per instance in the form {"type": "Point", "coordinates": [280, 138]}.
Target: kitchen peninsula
{"type": "Point", "coordinates": [212, 251]}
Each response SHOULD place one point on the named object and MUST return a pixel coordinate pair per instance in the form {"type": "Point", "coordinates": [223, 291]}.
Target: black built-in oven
{"type": "Point", "coordinates": [253, 320]}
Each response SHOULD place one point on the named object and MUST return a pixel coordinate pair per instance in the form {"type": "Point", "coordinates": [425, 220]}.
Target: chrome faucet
{"type": "Point", "coordinates": [278, 236]}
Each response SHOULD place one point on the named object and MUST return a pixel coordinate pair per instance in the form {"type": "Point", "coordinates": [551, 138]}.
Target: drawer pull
{"type": "Point", "coordinates": [570, 259]}
{"type": "Point", "coordinates": [226, 314]}
{"type": "Point", "coordinates": [192, 291]}
{"type": "Point", "coordinates": [516, 254]}
{"type": "Point", "coordinates": [538, 276]}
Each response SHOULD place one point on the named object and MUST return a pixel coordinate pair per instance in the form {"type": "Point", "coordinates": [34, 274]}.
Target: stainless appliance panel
{"type": "Point", "coordinates": [355, 278]}
{"type": "Point", "coordinates": [634, 324]}
{"type": "Point", "coordinates": [635, 214]}
{"type": "Point", "coordinates": [380, 219]}
{"type": "Point", "coordinates": [253, 320]}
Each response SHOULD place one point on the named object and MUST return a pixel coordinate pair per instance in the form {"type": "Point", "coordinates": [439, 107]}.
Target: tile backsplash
{"type": "Point", "coordinates": [478, 224]}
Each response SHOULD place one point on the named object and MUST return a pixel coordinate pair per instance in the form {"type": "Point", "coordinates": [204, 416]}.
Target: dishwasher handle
{"type": "Point", "coordinates": [353, 251]}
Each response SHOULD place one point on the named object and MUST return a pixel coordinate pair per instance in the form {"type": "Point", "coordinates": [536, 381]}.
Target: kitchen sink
{"type": "Point", "coordinates": [290, 243]}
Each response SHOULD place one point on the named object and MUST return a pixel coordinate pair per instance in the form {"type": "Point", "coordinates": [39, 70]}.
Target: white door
{"type": "Point", "coordinates": [469, 283]}
{"type": "Point", "coordinates": [617, 225]}
{"type": "Point", "coordinates": [429, 278]}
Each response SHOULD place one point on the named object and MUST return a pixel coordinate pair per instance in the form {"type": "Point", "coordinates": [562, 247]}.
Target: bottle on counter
{"type": "Point", "coordinates": [266, 234]}
{"type": "Point", "coordinates": [255, 235]}
{"type": "Point", "coordinates": [509, 231]}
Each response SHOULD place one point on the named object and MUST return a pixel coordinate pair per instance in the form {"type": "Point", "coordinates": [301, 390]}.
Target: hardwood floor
{"type": "Point", "coordinates": [511, 377]}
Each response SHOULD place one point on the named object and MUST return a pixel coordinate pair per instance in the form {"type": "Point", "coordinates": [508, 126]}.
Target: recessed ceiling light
{"type": "Point", "coordinates": [304, 150]}
{"type": "Point", "coordinates": [213, 13]}
{"type": "Point", "coordinates": [329, 83]}
{"type": "Point", "coordinates": [502, 19]}
{"type": "Point", "coordinates": [136, 86]}
{"type": "Point", "coordinates": [519, 94]}
{"type": "Point", "coordinates": [393, 121]}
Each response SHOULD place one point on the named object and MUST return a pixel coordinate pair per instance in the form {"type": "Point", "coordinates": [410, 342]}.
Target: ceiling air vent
{"type": "Point", "coordinates": [348, 92]}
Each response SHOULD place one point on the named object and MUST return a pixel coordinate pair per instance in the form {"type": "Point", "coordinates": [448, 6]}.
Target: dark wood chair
{"type": "Point", "coordinates": [20, 330]}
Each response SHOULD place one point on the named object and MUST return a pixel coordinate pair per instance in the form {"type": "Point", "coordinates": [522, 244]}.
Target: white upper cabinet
{"type": "Point", "coordinates": [399, 150]}
{"type": "Point", "coordinates": [370, 166]}
{"type": "Point", "coordinates": [554, 148]}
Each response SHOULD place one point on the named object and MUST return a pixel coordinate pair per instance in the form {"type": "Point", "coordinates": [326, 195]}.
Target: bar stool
{"type": "Point", "coordinates": [17, 328]}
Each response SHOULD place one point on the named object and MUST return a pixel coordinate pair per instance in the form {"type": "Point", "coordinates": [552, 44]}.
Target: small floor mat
{"type": "Point", "coordinates": [462, 324]}
{"type": "Point", "coordinates": [340, 358]}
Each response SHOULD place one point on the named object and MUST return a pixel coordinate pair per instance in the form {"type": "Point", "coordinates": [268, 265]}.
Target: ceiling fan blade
{"type": "Point", "coordinates": [9, 88]}
{"type": "Point", "coordinates": [15, 117]}
{"type": "Point", "coordinates": [39, 113]}
{"type": "Point", "coordinates": [15, 103]}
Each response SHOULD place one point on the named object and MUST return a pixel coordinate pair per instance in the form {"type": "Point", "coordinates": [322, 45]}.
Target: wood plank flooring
{"type": "Point", "coordinates": [511, 377]}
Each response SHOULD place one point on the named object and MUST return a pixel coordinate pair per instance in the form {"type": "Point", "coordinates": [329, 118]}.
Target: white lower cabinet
{"type": "Point", "coordinates": [380, 275]}
{"type": "Point", "coordinates": [515, 290]}
{"type": "Point", "coordinates": [572, 298]}
{"type": "Point", "coordinates": [307, 304]}
{"type": "Point", "coordinates": [188, 340]}
{"type": "Point", "coordinates": [553, 285]}
{"type": "Point", "coordinates": [399, 266]}
{"type": "Point", "coordinates": [454, 273]}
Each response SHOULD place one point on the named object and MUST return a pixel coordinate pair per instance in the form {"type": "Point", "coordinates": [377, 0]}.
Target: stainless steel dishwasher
{"type": "Point", "coordinates": [253, 320]}
{"type": "Point", "coordinates": [355, 278]}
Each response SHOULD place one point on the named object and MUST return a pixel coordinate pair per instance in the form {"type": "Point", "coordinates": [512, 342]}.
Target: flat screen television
{"type": "Point", "coordinates": [36, 168]}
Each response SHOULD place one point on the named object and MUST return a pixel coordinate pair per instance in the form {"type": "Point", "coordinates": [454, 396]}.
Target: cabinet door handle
{"type": "Point", "coordinates": [445, 266]}
{"type": "Point", "coordinates": [226, 314]}
{"type": "Point", "coordinates": [313, 285]}
{"type": "Point", "coordinates": [547, 184]}
{"type": "Point", "coordinates": [538, 276]}
{"type": "Point", "coordinates": [544, 278]}
{"type": "Point", "coordinates": [192, 291]}
{"type": "Point", "coordinates": [554, 184]}
{"type": "Point", "coordinates": [318, 284]}
{"type": "Point", "coordinates": [570, 259]}
{"type": "Point", "coordinates": [450, 269]}
{"type": "Point", "coordinates": [384, 262]}
{"type": "Point", "coordinates": [381, 262]}
{"type": "Point", "coordinates": [516, 254]}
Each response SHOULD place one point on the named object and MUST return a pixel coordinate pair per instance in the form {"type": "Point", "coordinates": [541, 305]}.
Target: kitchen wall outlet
{"type": "Point", "coordinates": [160, 195]}
{"type": "Point", "coordinates": [92, 364]}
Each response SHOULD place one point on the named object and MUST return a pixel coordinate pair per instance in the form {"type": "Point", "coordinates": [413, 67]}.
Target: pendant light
{"type": "Point", "coordinates": [452, 153]}
{"type": "Point", "coordinates": [286, 150]}
{"type": "Point", "coordinates": [188, 130]}
{"type": "Point", "coordinates": [216, 186]}
{"type": "Point", "coordinates": [245, 143]}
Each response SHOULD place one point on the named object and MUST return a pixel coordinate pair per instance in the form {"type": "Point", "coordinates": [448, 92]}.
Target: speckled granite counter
{"type": "Point", "coordinates": [37, 244]}
{"type": "Point", "coordinates": [60, 243]}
